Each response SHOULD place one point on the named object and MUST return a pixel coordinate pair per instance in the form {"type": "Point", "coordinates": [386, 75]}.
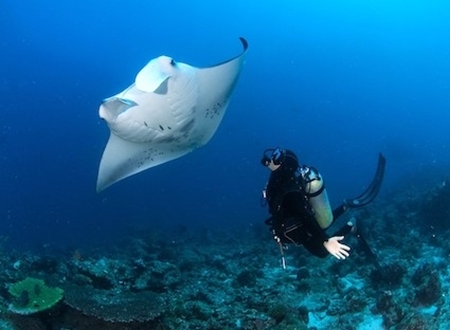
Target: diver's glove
{"type": "Point", "coordinates": [335, 248]}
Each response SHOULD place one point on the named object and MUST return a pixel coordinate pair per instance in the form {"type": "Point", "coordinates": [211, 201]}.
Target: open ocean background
{"type": "Point", "coordinates": [335, 81]}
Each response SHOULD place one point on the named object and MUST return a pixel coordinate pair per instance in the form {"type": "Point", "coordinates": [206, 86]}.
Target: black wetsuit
{"type": "Point", "coordinates": [292, 219]}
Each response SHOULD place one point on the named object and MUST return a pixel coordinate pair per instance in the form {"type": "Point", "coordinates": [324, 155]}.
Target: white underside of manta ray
{"type": "Point", "coordinates": [171, 109]}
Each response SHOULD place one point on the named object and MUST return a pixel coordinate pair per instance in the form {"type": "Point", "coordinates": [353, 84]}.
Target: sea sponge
{"type": "Point", "coordinates": [428, 285]}
{"type": "Point", "coordinates": [278, 312]}
{"type": "Point", "coordinates": [31, 295]}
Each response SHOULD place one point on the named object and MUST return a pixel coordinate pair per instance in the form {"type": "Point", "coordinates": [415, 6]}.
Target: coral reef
{"type": "Point", "coordinates": [230, 280]}
{"type": "Point", "coordinates": [428, 285]}
{"type": "Point", "coordinates": [389, 306]}
{"type": "Point", "coordinates": [116, 306]}
{"type": "Point", "coordinates": [31, 295]}
{"type": "Point", "coordinates": [390, 275]}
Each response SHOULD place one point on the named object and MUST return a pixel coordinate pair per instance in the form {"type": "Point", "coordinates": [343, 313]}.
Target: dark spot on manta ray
{"type": "Point", "coordinates": [168, 139]}
{"type": "Point", "coordinates": [145, 124]}
{"type": "Point", "coordinates": [162, 128]}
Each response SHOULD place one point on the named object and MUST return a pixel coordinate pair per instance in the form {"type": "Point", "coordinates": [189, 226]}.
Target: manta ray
{"type": "Point", "coordinates": [171, 109]}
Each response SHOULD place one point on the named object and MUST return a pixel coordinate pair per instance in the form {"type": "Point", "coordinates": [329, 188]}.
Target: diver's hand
{"type": "Point", "coordinates": [335, 248]}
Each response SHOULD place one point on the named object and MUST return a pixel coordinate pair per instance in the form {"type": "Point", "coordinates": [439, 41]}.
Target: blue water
{"type": "Point", "coordinates": [336, 81]}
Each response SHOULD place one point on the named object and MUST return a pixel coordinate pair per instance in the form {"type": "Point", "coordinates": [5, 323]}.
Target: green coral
{"type": "Point", "coordinates": [31, 295]}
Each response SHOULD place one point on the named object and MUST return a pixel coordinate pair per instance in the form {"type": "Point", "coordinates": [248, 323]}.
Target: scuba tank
{"type": "Point", "coordinates": [317, 195]}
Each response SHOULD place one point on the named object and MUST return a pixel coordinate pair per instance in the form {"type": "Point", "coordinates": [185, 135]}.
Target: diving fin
{"type": "Point", "coordinates": [372, 191]}
{"type": "Point", "coordinates": [366, 247]}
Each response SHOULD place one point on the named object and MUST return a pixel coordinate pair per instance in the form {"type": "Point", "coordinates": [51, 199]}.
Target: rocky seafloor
{"type": "Point", "coordinates": [233, 279]}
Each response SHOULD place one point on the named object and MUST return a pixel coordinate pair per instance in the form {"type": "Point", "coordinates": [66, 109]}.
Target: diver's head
{"type": "Point", "coordinates": [277, 157]}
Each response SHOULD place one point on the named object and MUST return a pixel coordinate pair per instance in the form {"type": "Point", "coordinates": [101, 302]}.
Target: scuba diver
{"type": "Point", "coordinates": [299, 206]}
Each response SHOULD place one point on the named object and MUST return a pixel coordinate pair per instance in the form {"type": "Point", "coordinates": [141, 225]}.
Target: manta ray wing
{"type": "Point", "coordinates": [171, 109]}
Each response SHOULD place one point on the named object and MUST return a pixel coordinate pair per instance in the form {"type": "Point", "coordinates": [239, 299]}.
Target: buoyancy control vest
{"type": "Point", "coordinates": [311, 184]}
